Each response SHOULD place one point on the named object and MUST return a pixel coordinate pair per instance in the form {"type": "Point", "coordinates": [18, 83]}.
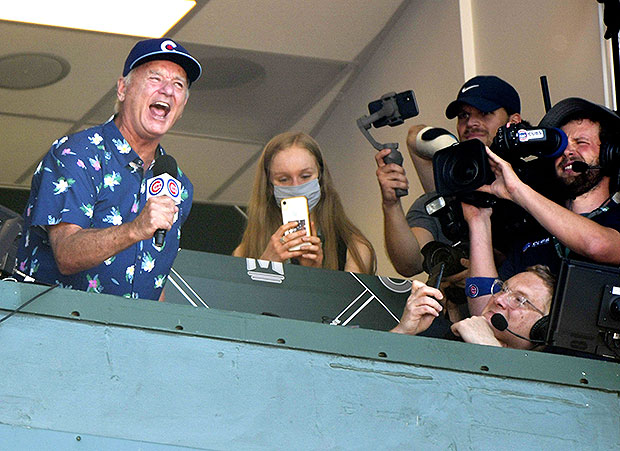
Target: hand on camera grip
{"type": "Point", "coordinates": [396, 157]}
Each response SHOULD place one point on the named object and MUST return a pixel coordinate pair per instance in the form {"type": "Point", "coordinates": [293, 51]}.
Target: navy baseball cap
{"type": "Point", "coordinates": [487, 93]}
{"type": "Point", "coordinates": [163, 49]}
{"type": "Point", "coordinates": [562, 111]}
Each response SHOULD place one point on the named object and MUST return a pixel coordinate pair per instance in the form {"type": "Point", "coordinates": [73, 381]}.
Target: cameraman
{"type": "Point", "coordinates": [483, 104]}
{"type": "Point", "coordinates": [586, 226]}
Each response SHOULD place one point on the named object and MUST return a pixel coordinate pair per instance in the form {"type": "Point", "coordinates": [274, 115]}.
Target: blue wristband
{"type": "Point", "coordinates": [478, 286]}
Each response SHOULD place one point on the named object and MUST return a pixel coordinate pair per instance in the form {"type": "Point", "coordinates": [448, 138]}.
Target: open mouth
{"type": "Point", "coordinates": [160, 109]}
{"type": "Point", "coordinates": [566, 164]}
{"type": "Point", "coordinates": [568, 167]}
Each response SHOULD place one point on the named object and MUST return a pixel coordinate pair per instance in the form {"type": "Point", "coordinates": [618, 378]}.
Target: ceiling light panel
{"type": "Point", "coordinates": [146, 18]}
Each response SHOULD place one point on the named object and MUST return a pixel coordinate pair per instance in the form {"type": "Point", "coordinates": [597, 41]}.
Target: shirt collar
{"type": "Point", "coordinates": [119, 145]}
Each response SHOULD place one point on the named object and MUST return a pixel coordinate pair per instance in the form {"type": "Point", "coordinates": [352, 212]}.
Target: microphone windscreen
{"type": "Point", "coordinates": [165, 164]}
{"type": "Point", "coordinates": [580, 166]}
{"type": "Point", "coordinates": [431, 139]}
{"type": "Point", "coordinates": [561, 142]}
{"type": "Point", "coordinates": [499, 321]}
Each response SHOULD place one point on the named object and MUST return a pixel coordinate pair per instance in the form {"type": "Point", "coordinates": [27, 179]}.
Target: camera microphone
{"type": "Point", "coordinates": [581, 166]}
{"type": "Point", "coordinates": [500, 322]}
{"type": "Point", "coordinates": [431, 139]}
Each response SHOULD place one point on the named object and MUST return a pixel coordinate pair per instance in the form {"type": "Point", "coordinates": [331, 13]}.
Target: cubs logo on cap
{"type": "Point", "coordinates": [163, 49]}
{"type": "Point", "coordinates": [168, 45]}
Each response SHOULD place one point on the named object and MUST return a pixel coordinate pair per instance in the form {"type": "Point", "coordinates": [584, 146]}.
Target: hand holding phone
{"type": "Point", "coordinates": [295, 209]}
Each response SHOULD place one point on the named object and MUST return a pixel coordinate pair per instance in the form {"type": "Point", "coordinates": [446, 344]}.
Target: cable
{"type": "Point", "coordinates": [18, 309]}
{"type": "Point", "coordinates": [610, 342]}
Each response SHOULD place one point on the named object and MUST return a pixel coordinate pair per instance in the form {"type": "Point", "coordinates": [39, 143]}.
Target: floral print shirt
{"type": "Point", "coordinates": [95, 180]}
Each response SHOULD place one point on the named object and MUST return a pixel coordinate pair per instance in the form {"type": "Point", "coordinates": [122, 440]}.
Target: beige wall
{"type": "Point", "coordinates": [518, 41]}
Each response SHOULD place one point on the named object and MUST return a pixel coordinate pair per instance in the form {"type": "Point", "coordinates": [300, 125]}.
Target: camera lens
{"type": "Point", "coordinates": [461, 168]}
{"type": "Point", "coordinates": [463, 171]}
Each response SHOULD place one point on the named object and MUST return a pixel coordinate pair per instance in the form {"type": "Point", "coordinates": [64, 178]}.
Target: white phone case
{"type": "Point", "coordinates": [295, 209]}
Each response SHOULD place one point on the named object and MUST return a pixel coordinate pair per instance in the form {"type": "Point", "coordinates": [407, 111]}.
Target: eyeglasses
{"type": "Point", "coordinates": [514, 300]}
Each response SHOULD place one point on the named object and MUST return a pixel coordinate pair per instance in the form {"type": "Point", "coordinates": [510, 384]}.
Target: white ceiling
{"type": "Point", "coordinates": [269, 65]}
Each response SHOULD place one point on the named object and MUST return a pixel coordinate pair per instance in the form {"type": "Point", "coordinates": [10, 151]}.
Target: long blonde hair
{"type": "Point", "coordinates": [264, 216]}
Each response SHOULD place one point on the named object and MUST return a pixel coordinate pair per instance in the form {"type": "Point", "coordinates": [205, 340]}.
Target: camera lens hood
{"type": "Point", "coordinates": [461, 168]}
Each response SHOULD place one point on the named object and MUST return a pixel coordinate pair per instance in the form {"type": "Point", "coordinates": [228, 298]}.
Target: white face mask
{"type": "Point", "coordinates": [311, 190]}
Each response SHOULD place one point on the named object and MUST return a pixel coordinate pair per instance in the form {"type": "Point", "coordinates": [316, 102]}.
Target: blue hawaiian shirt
{"type": "Point", "coordinates": [94, 179]}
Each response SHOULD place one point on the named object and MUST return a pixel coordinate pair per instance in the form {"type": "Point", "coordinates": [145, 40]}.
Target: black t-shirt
{"type": "Point", "coordinates": [542, 248]}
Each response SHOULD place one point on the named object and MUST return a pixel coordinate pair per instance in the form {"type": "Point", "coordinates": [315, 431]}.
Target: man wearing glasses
{"type": "Point", "coordinates": [523, 301]}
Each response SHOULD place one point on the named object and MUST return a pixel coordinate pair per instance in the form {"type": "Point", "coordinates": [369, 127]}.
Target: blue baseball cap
{"type": "Point", "coordinates": [487, 93]}
{"type": "Point", "coordinates": [163, 49]}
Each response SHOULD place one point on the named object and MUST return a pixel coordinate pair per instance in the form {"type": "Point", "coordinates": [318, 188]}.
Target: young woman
{"type": "Point", "coordinates": [292, 165]}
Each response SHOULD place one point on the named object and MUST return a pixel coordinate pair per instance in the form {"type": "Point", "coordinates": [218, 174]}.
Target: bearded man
{"type": "Point", "coordinates": [585, 227]}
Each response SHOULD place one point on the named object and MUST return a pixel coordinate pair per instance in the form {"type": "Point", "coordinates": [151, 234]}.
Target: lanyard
{"type": "Point", "coordinates": [562, 250]}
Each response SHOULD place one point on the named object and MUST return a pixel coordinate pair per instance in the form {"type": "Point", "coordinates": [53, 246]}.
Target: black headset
{"type": "Point", "coordinates": [539, 330]}
{"type": "Point", "coordinates": [609, 159]}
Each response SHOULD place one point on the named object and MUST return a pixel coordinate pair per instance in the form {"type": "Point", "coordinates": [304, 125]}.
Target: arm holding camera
{"type": "Point", "coordinates": [403, 243]}
{"type": "Point", "coordinates": [481, 259]}
{"type": "Point", "coordinates": [578, 233]}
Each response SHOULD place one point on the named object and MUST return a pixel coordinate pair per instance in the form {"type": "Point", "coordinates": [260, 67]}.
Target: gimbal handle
{"type": "Point", "coordinates": [394, 156]}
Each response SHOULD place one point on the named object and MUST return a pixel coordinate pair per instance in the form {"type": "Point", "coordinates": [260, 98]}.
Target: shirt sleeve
{"type": "Point", "coordinates": [66, 185]}
{"type": "Point", "coordinates": [418, 217]}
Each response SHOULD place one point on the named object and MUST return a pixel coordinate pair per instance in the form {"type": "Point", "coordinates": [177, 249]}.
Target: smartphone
{"type": "Point", "coordinates": [295, 209]}
{"type": "Point", "coordinates": [404, 107]}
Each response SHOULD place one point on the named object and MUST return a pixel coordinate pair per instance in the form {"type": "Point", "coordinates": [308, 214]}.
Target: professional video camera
{"type": "Point", "coordinates": [462, 168]}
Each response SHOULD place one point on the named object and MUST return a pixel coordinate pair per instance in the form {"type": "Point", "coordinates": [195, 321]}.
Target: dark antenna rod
{"type": "Point", "coordinates": [611, 18]}
{"type": "Point", "coordinates": [545, 92]}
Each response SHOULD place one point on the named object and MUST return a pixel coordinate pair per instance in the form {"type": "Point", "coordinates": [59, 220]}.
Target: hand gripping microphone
{"type": "Point", "coordinates": [164, 183]}
{"type": "Point", "coordinates": [500, 322]}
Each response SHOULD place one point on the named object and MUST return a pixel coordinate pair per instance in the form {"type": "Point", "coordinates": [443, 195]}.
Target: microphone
{"type": "Point", "coordinates": [581, 166]}
{"type": "Point", "coordinates": [164, 183]}
{"type": "Point", "coordinates": [431, 139]}
{"type": "Point", "coordinates": [500, 322]}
